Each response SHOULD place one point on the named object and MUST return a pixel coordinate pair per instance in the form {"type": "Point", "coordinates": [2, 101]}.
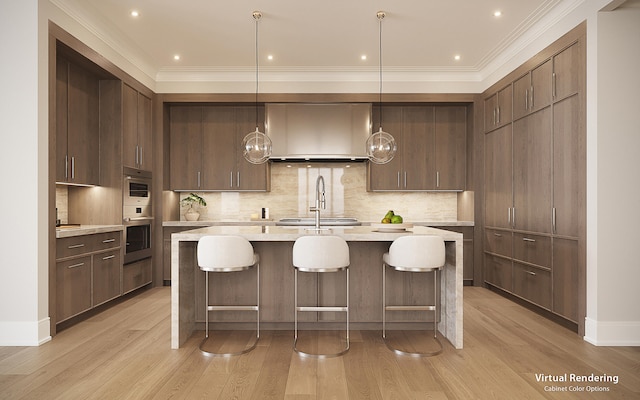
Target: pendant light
{"type": "Point", "coordinates": [256, 146]}
{"type": "Point", "coordinates": [381, 146]}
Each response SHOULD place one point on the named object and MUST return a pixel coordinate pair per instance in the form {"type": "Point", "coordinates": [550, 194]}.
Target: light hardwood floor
{"type": "Point", "coordinates": [124, 353]}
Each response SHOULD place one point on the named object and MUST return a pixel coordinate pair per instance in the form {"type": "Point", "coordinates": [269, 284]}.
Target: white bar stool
{"type": "Point", "coordinates": [415, 253]}
{"type": "Point", "coordinates": [221, 253]}
{"type": "Point", "coordinates": [320, 254]}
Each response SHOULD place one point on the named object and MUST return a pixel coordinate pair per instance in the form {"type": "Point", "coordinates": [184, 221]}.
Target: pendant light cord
{"type": "Point", "coordinates": [380, 17]}
{"type": "Point", "coordinates": [256, 16]}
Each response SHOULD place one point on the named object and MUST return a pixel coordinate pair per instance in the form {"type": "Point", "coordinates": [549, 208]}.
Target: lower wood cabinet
{"type": "Point", "coordinates": [106, 276]}
{"type": "Point", "coordinates": [566, 266]}
{"type": "Point", "coordinates": [136, 275]}
{"type": "Point", "coordinates": [73, 287]}
{"type": "Point", "coordinates": [532, 284]}
{"type": "Point", "coordinates": [88, 272]}
{"type": "Point", "coordinates": [497, 271]}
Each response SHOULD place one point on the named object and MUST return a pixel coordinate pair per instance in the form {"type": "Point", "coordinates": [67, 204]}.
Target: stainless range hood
{"type": "Point", "coordinates": [318, 131]}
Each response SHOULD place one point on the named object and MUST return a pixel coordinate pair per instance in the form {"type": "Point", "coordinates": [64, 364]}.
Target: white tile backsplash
{"type": "Point", "coordinates": [293, 192]}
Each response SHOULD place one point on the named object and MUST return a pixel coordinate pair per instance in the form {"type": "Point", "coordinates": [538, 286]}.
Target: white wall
{"type": "Point", "coordinates": [23, 162]}
{"type": "Point", "coordinates": [613, 315]}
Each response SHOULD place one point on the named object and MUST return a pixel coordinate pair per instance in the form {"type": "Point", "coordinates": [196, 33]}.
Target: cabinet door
{"type": "Point", "coordinates": [491, 112]}
{"type": "Point", "coordinates": [450, 147]}
{"type": "Point", "coordinates": [62, 82]}
{"type": "Point", "coordinates": [568, 71]}
{"type": "Point", "coordinates": [388, 176]}
{"type": "Point", "coordinates": [186, 147]}
{"type": "Point", "coordinates": [497, 271]}
{"type": "Point", "coordinates": [418, 153]}
{"type": "Point", "coordinates": [83, 127]}
{"type": "Point", "coordinates": [532, 172]}
{"type": "Point", "coordinates": [497, 178]}
{"type": "Point", "coordinates": [136, 275]}
{"type": "Point", "coordinates": [107, 268]}
{"type": "Point", "coordinates": [129, 126]}
{"type": "Point", "coordinates": [219, 148]}
{"type": "Point", "coordinates": [521, 96]}
{"type": "Point", "coordinates": [569, 166]}
{"type": "Point", "coordinates": [540, 95]}
{"type": "Point", "coordinates": [565, 278]}
{"type": "Point", "coordinates": [249, 176]}
{"type": "Point", "coordinates": [73, 287]}
{"type": "Point", "coordinates": [145, 142]}
{"type": "Point", "coordinates": [532, 284]}
{"type": "Point", "coordinates": [505, 100]}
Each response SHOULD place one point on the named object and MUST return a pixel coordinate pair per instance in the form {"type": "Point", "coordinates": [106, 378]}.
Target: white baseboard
{"type": "Point", "coordinates": [25, 333]}
{"type": "Point", "coordinates": [612, 333]}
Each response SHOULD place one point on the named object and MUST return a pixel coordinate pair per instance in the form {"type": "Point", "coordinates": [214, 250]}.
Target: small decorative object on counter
{"type": "Point", "coordinates": [192, 214]}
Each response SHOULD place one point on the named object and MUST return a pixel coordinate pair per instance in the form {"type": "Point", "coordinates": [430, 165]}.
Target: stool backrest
{"type": "Point", "coordinates": [417, 251]}
{"type": "Point", "coordinates": [222, 251]}
{"type": "Point", "coordinates": [320, 252]}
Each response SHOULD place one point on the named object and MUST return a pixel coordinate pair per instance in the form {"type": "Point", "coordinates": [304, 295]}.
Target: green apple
{"type": "Point", "coordinates": [396, 219]}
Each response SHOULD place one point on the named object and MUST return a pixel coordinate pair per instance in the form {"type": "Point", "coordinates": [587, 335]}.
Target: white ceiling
{"type": "Point", "coordinates": [328, 36]}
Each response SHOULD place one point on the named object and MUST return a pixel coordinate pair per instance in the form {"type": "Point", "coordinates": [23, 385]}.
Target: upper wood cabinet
{"type": "Point", "coordinates": [497, 108]}
{"type": "Point", "coordinates": [431, 151]}
{"type": "Point", "coordinates": [568, 70]}
{"type": "Point", "coordinates": [498, 178]}
{"type": "Point", "coordinates": [136, 129]}
{"type": "Point", "coordinates": [532, 92]}
{"type": "Point", "coordinates": [77, 124]}
{"type": "Point", "coordinates": [206, 149]}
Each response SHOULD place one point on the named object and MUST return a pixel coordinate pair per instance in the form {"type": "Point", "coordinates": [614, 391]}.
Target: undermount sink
{"type": "Point", "coordinates": [338, 221]}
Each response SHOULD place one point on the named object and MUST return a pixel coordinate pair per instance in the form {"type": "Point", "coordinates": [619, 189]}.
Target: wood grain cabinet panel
{"type": "Point", "coordinates": [136, 275]}
{"type": "Point", "coordinates": [136, 129]}
{"type": "Point", "coordinates": [532, 249]}
{"type": "Point", "coordinates": [565, 272]}
{"type": "Point", "coordinates": [533, 284]}
{"type": "Point", "coordinates": [498, 242]}
{"type": "Point", "coordinates": [185, 140]}
{"type": "Point", "coordinates": [431, 151]}
{"type": "Point", "coordinates": [497, 271]}
{"type": "Point", "coordinates": [107, 276]}
{"type": "Point", "coordinates": [532, 161]}
{"type": "Point", "coordinates": [568, 71]}
{"type": "Point", "coordinates": [498, 178]}
{"type": "Point", "coordinates": [498, 108]}
{"type": "Point", "coordinates": [77, 124]}
{"type": "Point", "coordinates": [532, 92]}
{"type": "Point", "coordinates": [73, 287]}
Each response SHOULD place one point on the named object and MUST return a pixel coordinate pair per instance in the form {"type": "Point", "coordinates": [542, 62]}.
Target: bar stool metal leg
{"type": "Point", "coordinates": [433, 308]}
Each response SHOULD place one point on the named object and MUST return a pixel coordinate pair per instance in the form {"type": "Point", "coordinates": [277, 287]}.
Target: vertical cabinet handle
{"type": "Point", "coordinates": [437, 179]}
{"type": "Point", "coordinates": [66, 166]}
{"type": "Point", "coordinates": [526, 99]}
{"type": "Point", "coordinates": [141, 156]}
{"type": "Point", "coordinates": [238, 179]}
{"type": "Point", "coordinates": [553, 85]}
{"type": "Point", "coordinates": [532, 98]}
{"type": "Point", "coordinates": [398, 179]}
{"type": "Point", "coordinates": [137, 160]}
{"type": "Point", "coordinates": [553, 220]}
{"type": "Point", "coordinates": [513, 217]}
{"type": "Point", "coordinates": [494, 117]}
{"type": "Point", "coordinates": [498, 115]}
{"type": "Point", "coordinates": [231, 179]}
{"type": "Point", "coordinates": [73, 168]}
{"type": "Point", "coordinates": [198, 178]}
{"type": "Point", "coordinates": [405, 179]}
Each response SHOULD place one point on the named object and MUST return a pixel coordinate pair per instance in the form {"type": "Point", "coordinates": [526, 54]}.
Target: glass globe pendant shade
{"type": "Point", "coordinates": [256, 147]}
{"type": "Point", "coordinates": [381, 147]}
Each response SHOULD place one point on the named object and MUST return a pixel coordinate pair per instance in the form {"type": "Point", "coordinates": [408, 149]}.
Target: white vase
{"type": "Point", "coordinates": [191, 214]}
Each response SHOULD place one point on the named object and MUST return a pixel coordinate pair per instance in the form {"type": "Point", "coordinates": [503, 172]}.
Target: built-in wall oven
{"type": "Point", "coordinates": [136, 213]}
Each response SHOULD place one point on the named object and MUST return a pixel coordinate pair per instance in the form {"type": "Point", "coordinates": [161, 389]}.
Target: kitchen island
{"type": "Point", "coordinates": [274, 245]}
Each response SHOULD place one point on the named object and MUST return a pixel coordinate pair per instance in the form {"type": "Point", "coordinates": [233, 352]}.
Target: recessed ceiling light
{"type": "Point", "coordinates": [363, 57]}
{"type": "Point", "coordinates": [269, 57]}
{"type": "Point", "coordinates": [135, 13]}
{"type": "Point", "coordinates": [497, 13]}
{"type": "Point", "coordinates": [457, 57]}
{"type": "Point", "coordinates": [176, 57]}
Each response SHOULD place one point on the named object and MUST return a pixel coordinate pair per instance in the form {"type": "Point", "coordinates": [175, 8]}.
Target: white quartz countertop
{"type": "Point", "coordinates": [285, 233]}
{"type": "Point", "coordinates": [80, 230]}
{"type": "Point", "coordinates": [266, 222]}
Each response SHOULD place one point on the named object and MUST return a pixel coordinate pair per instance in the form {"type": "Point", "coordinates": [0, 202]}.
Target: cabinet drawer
{"type": "Point", "coordinates": [136, 275]}
{"type": "Point", "coordinates": [533, 284]}
{"type": "Point", "coordinates": [77, 245]}
{"type": "Point", "coordinates": [532, 249]}
{"type": "Point", "coordinates": [497, 271]}
{"type": "Point", "coordinates": [498, 242]}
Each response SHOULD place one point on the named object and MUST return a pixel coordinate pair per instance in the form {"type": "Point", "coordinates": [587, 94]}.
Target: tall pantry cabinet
{"type": "Point", "coordinates": [535, 183]}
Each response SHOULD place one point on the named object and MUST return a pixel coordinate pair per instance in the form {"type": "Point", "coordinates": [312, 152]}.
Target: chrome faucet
{"type": "Point", "coordinates": [320, 200]}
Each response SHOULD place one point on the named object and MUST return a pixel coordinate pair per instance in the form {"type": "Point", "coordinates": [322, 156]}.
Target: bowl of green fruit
{"type": "Point", "coordinates": [391, 222]}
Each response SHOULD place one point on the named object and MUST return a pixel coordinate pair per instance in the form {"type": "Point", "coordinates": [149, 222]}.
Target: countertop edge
{"type": "Point", "coordinates": [87, 230]}
{"type": "Point", "coordinates": [273, 223]}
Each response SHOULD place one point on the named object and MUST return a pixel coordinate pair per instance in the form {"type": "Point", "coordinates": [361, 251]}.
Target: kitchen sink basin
{"type": "Point", "coordinates": [323, 222]}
